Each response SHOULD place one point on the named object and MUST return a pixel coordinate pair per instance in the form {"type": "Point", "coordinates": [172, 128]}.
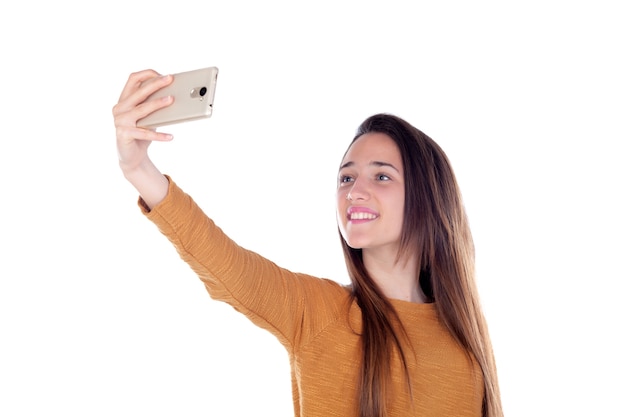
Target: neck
{"type": "Point", "coordinates": [397, 280]}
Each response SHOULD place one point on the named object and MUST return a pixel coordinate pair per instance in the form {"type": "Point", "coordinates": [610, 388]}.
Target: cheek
{"type": "Point", "coordinates": [341, 207]}
{"type": "Point", "coordinates": [397, 205]}
{"type": "Point", "coordinates": [340, 200]}
{"type": "Point", "coordinates": [342, 224]}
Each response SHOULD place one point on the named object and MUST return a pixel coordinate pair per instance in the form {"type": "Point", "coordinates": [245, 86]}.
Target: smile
{"type": "Point", "coordinates": [362, 216]}
{"type": "Point", "coordinates": [361, 213]}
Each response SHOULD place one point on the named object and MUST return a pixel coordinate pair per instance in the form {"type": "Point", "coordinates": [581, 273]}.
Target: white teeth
{"type": "Point", "coordinates": [362, 216]}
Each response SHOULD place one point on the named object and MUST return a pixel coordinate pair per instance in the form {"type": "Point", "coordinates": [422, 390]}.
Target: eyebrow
{"type": "Point", "coordinates": [374, 163]}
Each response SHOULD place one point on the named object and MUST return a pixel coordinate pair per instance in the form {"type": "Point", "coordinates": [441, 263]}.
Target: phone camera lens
{"type": "Point", "coordinates": [202, 91]}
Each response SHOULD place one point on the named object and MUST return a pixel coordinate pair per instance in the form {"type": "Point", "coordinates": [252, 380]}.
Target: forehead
{"type": "Point", "coordinates": [373, 147]}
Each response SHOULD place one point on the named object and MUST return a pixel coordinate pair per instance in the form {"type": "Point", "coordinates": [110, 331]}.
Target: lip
{"type": "Point", "coordinates": [367, 213]}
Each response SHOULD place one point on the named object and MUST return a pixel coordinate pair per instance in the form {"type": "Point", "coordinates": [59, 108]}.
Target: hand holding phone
{"type": "Point", "coordinates": [193, 92]}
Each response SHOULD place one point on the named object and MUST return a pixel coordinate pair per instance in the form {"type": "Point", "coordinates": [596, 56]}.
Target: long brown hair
{"type": "Point", "coordinates": [436, 229]}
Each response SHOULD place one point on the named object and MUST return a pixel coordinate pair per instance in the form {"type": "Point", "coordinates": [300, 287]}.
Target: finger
{"type": "Point", "coordinates": [135, 80]}
{"type": "Point", "coordinates": [129, 116]}
{"type": "Point", "coordinates": [150, 106]}
{"type": "Point", "coordinates": [130, 133]}
{"type": "Point", "coordinates": [136, 98]}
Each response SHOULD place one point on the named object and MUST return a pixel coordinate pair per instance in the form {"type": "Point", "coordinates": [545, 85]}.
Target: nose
{"type": "Point", "coordinates": [358, 191]}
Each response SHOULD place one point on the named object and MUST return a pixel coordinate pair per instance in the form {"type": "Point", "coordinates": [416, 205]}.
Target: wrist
{"type": "Point", "coordinates": [151, 184]}
{"type": "Point", "coordinates": [136, 170]}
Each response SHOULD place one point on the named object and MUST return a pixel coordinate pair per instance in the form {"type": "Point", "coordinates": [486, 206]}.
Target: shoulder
{"type": "Point", "coordinates": [324, 288]}
{"type": "Point", "coordinates": [324, 300]}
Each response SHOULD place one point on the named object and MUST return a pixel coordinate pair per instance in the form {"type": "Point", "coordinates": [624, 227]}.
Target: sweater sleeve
{"type": "Point", "coordinates": [285, 303]}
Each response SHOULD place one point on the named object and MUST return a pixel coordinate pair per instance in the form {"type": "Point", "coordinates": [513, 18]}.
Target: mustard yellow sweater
{"type": "Point", "coordinates": [315, 321]}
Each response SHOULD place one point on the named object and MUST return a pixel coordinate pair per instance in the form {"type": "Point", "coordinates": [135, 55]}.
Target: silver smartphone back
{"type": "Point", "coordinates": [193, 92]}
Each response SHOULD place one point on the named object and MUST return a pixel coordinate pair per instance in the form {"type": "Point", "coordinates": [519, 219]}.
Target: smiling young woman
{"type": "Point", "coordinates": [407, 337]}
{"type": "Point", "coordinates": [398, 172]}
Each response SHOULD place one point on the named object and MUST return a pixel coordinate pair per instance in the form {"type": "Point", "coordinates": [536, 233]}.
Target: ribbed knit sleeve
{"type": "Point", "coordinates": [272, 297]}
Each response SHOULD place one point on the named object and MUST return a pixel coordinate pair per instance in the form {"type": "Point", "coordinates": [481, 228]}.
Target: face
{"type": "Point", "coordinates": [370, 194]}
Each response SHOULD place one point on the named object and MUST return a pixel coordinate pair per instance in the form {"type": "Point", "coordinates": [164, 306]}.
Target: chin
{"type": "Point", "coordinates": [356, 243]}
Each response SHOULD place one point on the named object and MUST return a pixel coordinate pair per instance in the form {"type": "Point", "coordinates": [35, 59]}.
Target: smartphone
{"type": "Point", "coordinates": [193, 93]}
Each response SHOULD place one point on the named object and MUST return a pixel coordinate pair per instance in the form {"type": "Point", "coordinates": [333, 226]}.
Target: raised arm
{"type": "Point", "coordinates": [133, 141]}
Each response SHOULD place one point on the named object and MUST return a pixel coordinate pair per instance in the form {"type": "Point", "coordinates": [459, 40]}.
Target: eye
{"type": "Point", "coordinates": [345, 179]}
{"type": "Point", "coordinates": [382, 177]}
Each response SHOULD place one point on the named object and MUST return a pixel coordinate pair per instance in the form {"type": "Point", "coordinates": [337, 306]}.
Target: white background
{"type": "Point", "coordinates": [99, 316]}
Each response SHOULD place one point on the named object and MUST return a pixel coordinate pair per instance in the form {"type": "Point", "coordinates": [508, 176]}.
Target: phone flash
{"type": "Point", "coordinates": [198, 92]}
